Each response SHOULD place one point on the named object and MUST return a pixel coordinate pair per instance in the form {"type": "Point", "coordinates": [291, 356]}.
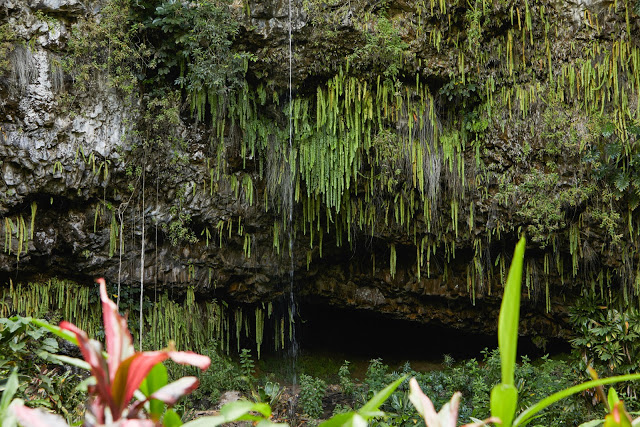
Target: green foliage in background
{"type": "Point", "coordinates": [7, 39]}
{"type": "Point", "coordinates": [607, 338]}
{"type": "Point", "coordinates": [41, 380]}
{"type": "Point", "coordinates": [312, 391]}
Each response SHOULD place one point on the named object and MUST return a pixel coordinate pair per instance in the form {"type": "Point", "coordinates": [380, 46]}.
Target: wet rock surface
{"type": "Point", "coordinates": [69, 166]}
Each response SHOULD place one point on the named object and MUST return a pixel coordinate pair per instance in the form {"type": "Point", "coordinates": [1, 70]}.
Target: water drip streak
{"type": "Point", "coordinates": [292, 301]}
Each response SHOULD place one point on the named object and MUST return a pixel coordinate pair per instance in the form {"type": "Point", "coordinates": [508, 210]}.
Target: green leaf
{"type": "Point", "coordinates": [592, 423]}
{"type": "Point", "coordinates": [70, 361]}
{"type": "Point", "coordinates": [212, 421]}
{"type": "Point", "coordinates": [380, 397]}
{"type": "Point", "coordinates": [9, 391]}
{"type": "Point", "coordinates": [339, 420]}
{"type": "Point", "coordinates": [622, 181]}
{"type": "Point", "coordinates": [504, 401]}
{"type": "Point", "coordinates": [510, 316]}
{"type": "Point", "coordinates": [16, 346]}
{"type": "Point", "coordinates": [530, 412]}
{"type": "Point", "coordinates": [612, 397]}
{"type": "Point", "coordinates": [171, 419]}
{"type": "Point", "coordinates": [66, 335]}
{"type": "Point", "coordinates": [608, 129]}
{"type": "Point", "coordinates": [155, 380]}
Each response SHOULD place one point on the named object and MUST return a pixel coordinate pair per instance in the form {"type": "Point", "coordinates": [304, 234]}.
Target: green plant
{"type": "Point", "coordinates": [383, 50]}
{"type": "Point", "coordinates": [269, 393]}
{"type": "Point", "coordinates": [607, 337]}
{"type": "Point", "coordinates": [221, 376]}
{"type": "Point", "coordinates": [7, 38]}
{"type": "Point", "coordinates": [30, 348]}
{"type": "Point", "coordinates": [368, 412]}
{"type": "Point", "coordinates": [246, 363]}
{"type": "Point", "coordinates": [504, 396]}
{"type": "Point", "coordinates": [312, 391]}
{"type": "Point", "coordinates": [348, 387]}
{"type": "Point", "coordinates": [120, 374]}
{"type": "Point", "coordinates": [615, 158]}
{"type": "Point", "coordinates": [109, 47]}
{"type": "Point", "coordinates": [9, 388]}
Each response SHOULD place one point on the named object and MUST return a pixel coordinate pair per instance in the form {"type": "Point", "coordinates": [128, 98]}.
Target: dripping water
{"type": "Point", "coordinates": [292, 300]}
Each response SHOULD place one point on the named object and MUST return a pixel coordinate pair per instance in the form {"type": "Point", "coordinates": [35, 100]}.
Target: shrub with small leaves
{"type": "Point", "coordinates": [246, 362]}
{"type": "Point", "coordinates": [311, 393]}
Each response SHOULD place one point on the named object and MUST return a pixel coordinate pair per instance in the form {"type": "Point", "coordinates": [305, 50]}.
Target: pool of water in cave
{"type": "Point", "coordinates": [328, 336]}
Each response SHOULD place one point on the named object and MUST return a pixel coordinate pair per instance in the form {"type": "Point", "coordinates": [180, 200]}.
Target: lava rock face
{"type": "Point", "coordinates": [77, 205]}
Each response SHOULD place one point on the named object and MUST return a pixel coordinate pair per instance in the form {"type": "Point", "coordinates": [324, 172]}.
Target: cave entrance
{"type": "Point", "coordinates": [337, 334]}
{"type": "Point", "coordinates": [359, 334]}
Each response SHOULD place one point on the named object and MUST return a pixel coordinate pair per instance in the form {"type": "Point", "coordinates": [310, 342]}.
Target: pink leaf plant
{"type": "Point", "coordinates": [120, 374]}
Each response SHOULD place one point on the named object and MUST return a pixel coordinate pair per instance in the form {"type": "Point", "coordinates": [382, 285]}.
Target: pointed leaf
{"type": "Point", "coordinates": [510, 316]}
{"type": "Point", "coordinates": [190, 358]}
{"type": "Point", "coordinates": [118, 339]}
{"type": "Point", "coordinates": [56, 330]}
{"type": "Point", "coordinates": [171, 419]}
{"type": "Point", "coordinates": [618, 416]}
{"type": "Point", "coordinates": [592, 423]}
{"type": "Point", "coordinates": [448, 414]}
{"type": "Point", "coordinates": [339, 420]}
{"type": "Point", "coordinates": [212, 421]}
{"type": "Point", "coordinates": [380, 397]}
{"type": "Point", "coordinates": [122, 387]}
{"type": "Point", "coordinates": [70, 361]}
{"type": "Point", "coordinates": [423, 404]}
{"type": "Point", "coordinates": [92, 352]}
{"type": "Point", "coordinates": [170, 393]}
{"type": "Point", "coordinates": [9, 391]}
{"type": "Point", "coordinates": [612, 397]}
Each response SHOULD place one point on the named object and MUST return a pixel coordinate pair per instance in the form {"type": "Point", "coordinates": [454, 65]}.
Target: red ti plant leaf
{"type": "Point", "coordinates": [29, 417]}
{"type": "Point", "coordinates": [121, 374]}
{"type": "Point", "coordinates": [118, 339]}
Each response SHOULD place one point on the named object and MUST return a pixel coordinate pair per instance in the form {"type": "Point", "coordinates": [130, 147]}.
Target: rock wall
{"type": "Point", "coordinates": [503, 118]}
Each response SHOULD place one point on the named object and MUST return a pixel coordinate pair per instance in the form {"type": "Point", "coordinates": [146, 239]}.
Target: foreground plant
{"type": "Point", "coordinates": [119, 375]}
{"type": "Point", "coordinates": [504, 396]}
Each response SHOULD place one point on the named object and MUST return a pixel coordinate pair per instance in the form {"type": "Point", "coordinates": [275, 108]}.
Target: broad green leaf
{"type": "Point", "coordinates": [171, 419]}
{"type": "Point", "coordinates": [380, 397]}
{"type": "Point", "coordinates": [504, 401]}
{"type": "Point", "coordinates": [155, 380]}
{"type": "Point", "coordinates": [612, 397]}
{"type": "Point", "coordinates": [339, 420]}
{"type": "Point", "coordinates": [9, 391]}
{"type": "Point", "coordinates": [212, 421]}
{"type": "Point", "coordinates": [56, 330]}
{"type": "Point", "coordinates": [232, 411]}
{"type": "Point", "coordinates": [16, 346]}
{"type": "Point", "coordinates": [592, 423]}
{"type": "Point", "coordinates": [510, 316]}
{"type": "Point", "coordinates": [70, 361]}
{"type": "Point", "coordinates": [530, 412]}
{"type": "Point", "coordinates": [37, 333]}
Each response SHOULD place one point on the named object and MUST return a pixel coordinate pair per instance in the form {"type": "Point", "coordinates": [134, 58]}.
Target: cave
{"type": "Point", "coordinates": [352, 334]}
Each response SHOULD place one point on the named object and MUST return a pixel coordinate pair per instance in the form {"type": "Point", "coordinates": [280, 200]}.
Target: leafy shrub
{"type": "Point", "coordinates": [311, 393]}
{"type": "Point", "coordinates": [345, 379]}
{"type": "Point", "coordinates": [607, 338]}
{"type": "Point", "coordinates": [223, 375]}
{"type": "Point", "coordinates": [42, 383]}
